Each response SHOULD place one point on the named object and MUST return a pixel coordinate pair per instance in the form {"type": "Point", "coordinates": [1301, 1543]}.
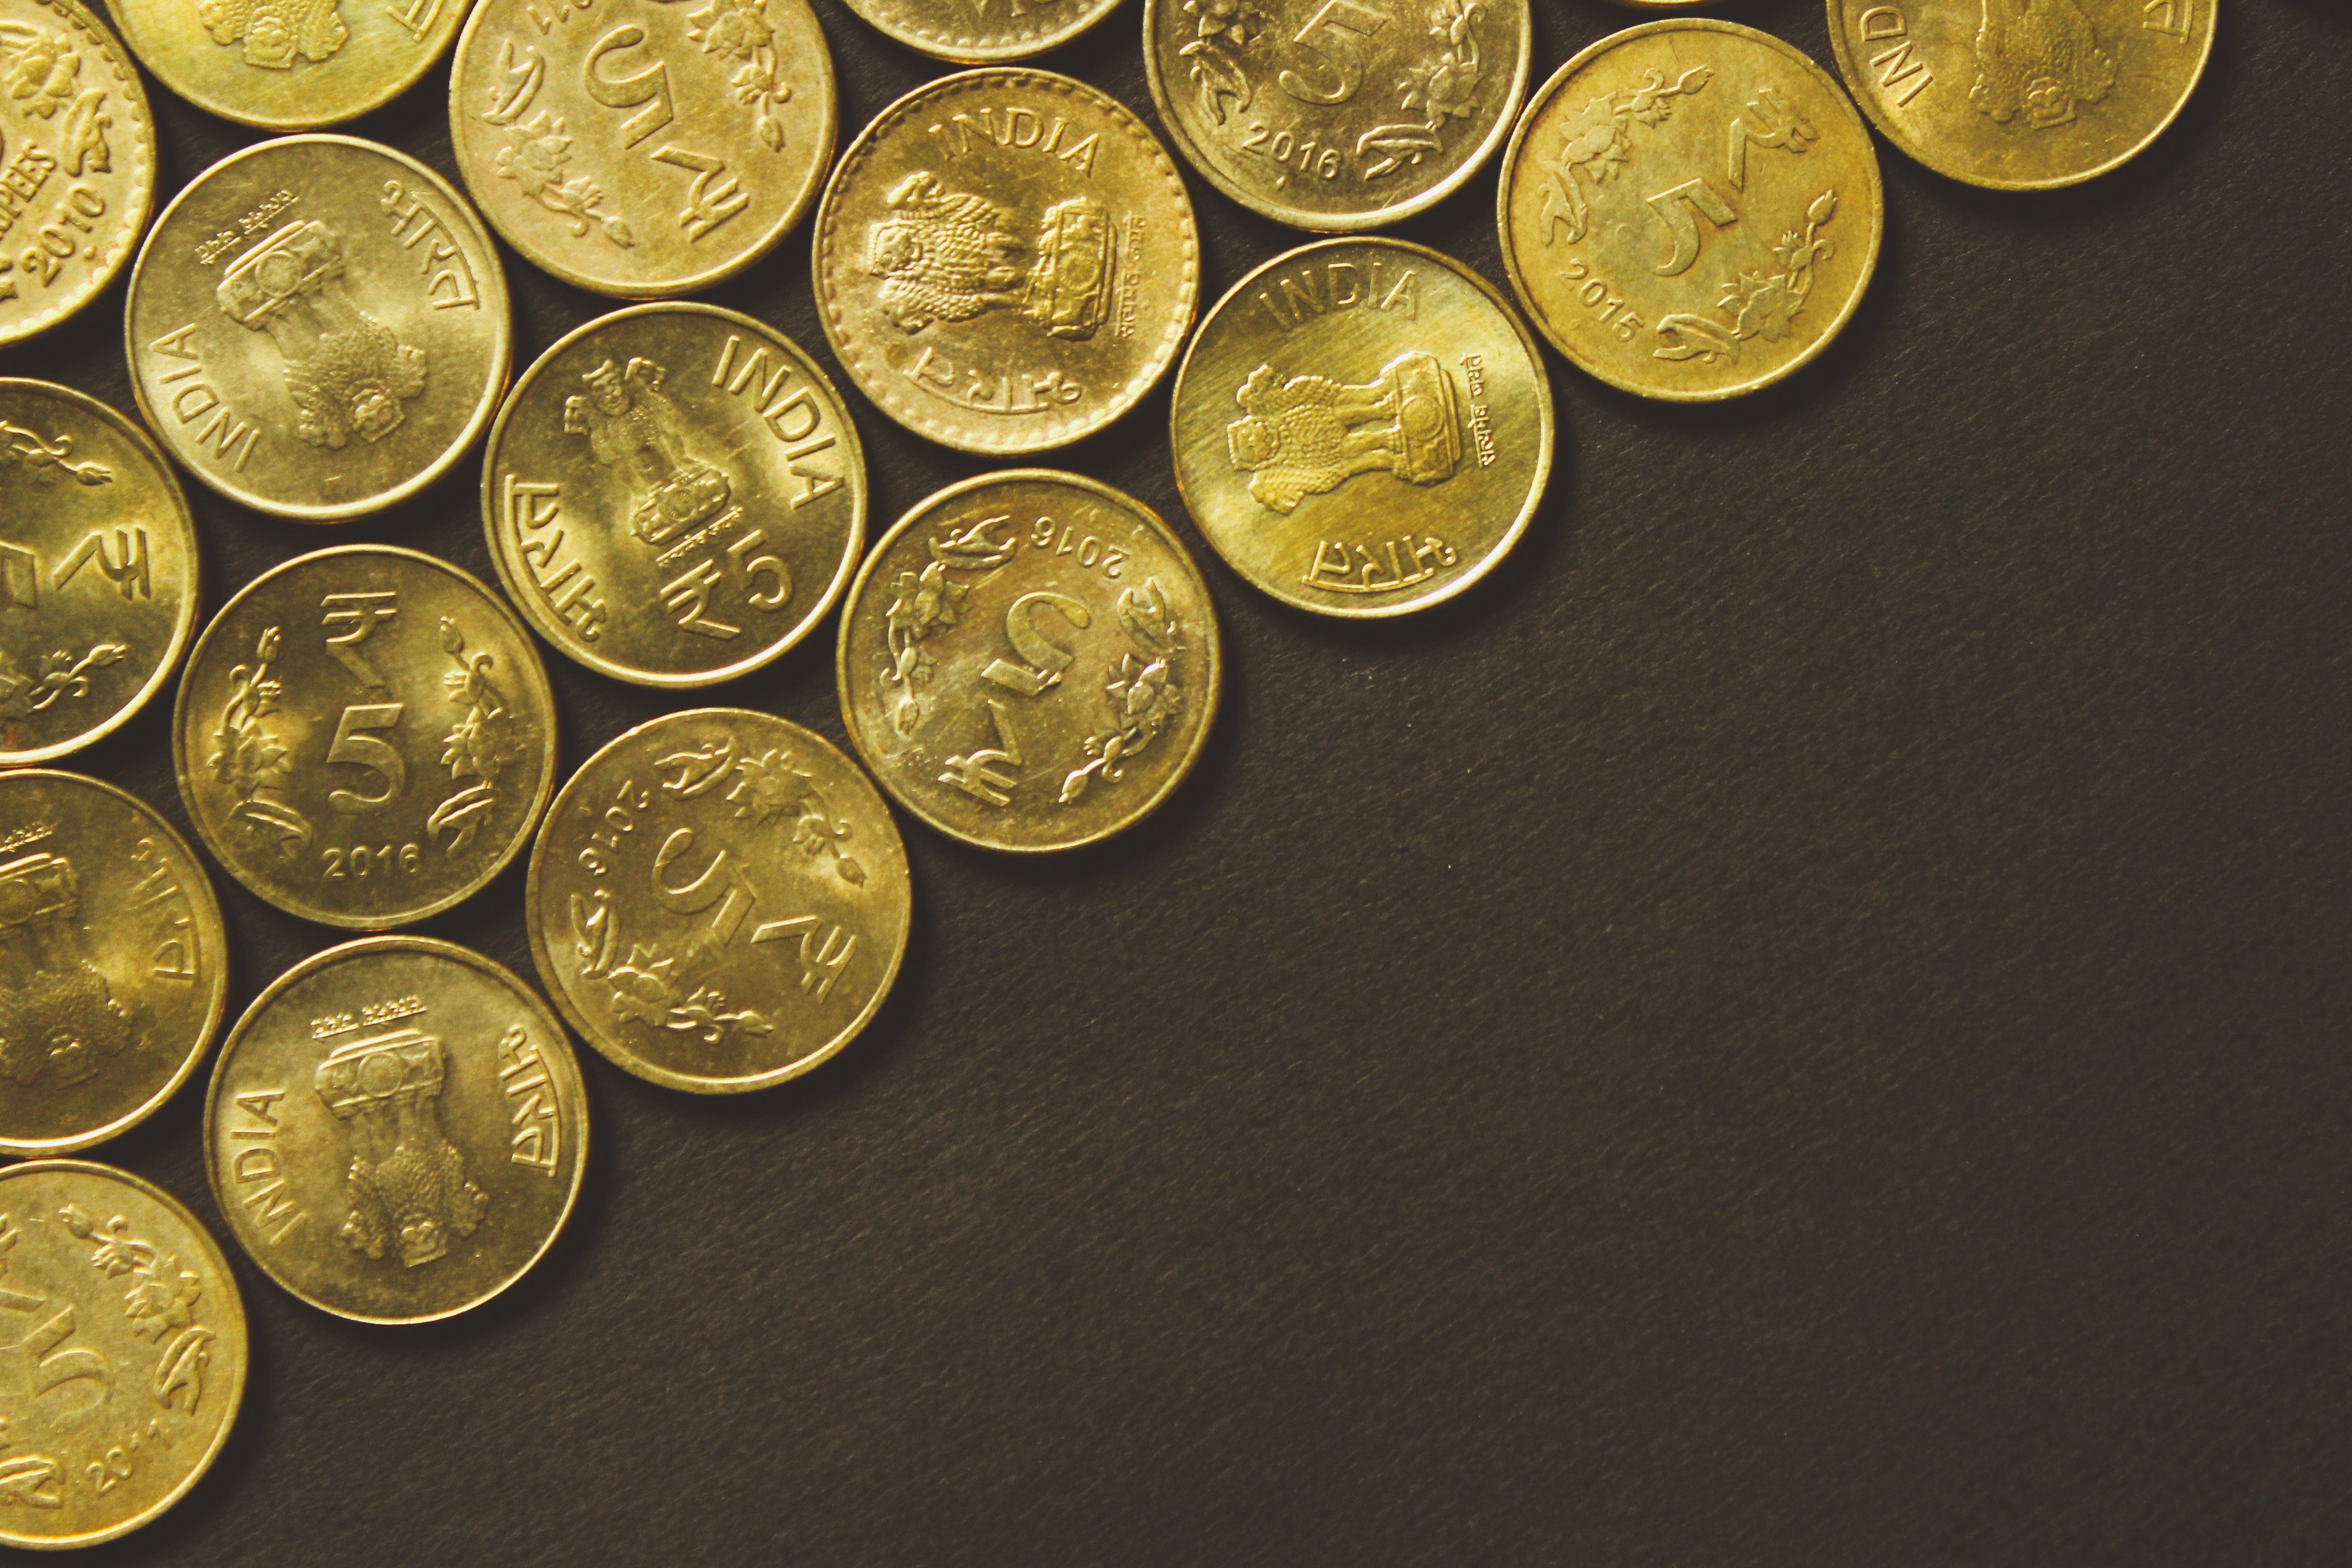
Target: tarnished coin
{"type": "Point", "coordinates": [1029, 660]}
{"type": "Point", "coordinates": [674, 494]}
{"type": "Point", "coordinates": [1006, 260]}
{"type": "Point", "coordinates": [365, 736]}
{"type": "Point", "coordinates": [97, 571]}
{"type": "Point", "coordinates": [719, 901]}
{"type": "Point", "coordinates": [396, 1130]}
{"type": "Point", "coordinates": [2018, 96]}
{"type": "Point", "coordinates": [77, 161]}
{"type": "Point", "coordinates": [1690, 209]}
{"type": "Point", "coordinates": [983, 31]}
{"type": "Point", "coordinates": [318, 327]}
{"type": "Point", "coordinates": [288, 64]}
{"type": "Point", "coordinates": [1363, 428]}
{"type": "Point", "coordinates": [113, 962]}
{"type": "Point", "coordinates": [643, 151]}
{"type": "Point", "coordinates": [1338, 114]}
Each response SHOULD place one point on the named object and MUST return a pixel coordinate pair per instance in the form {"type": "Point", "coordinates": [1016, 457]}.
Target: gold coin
{"type": "Point", "coordinates": [718, 901]}
{"type": "Point", "coordinates": [77, 161]}
{"type": "Point", "coordinates": [2023, 98]}
{"type": "Point", "coordinates": [674, 494]}
{"type": "Point", "coordinates": [318, 327]}
{"type": "Point", "coordinates": [1029, 661]}
{"type": "Point", "coordinates": [288, 65]}
{"type": "Point", "coordinates": [113, 962]}
{"type": "Point", "coordinates": [983, 32]}
{"type": "Point", "coordinates": [576, 131]}
{"type": "Point", "coordinates": [365, 736]}
{"type": "Point", "coordinates": [1363, 428]}
{"type": "Point", "coordinates": [1673, 200]}
{"type": "Point", "coordinates": [1338, 114]}
{"type": "Point", "coordinates": [1006, 260]}
{"type": "Point", "coordinates": [131, 1352]}
{"type": "Point", "coordinates": [98, 571]}
{"type": "Point", "coordinates": [396, 1130]}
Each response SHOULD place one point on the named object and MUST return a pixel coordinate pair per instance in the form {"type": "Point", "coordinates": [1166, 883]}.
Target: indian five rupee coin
{"type": "Point", "coordinates": [98, 571]}
{"type": "Point", "coordinates": [1338, 114]}
{"type": "Point", "coordinates": [983, 32]}
{"type": "Point", "coordinates": [674, 494]}
{"type": "Point", "coordinates": [288, 64]}
{"type": "Point", "coordinates": [132, 1354]}
{"type": "Point", "coordinates": [1690, 209]}
{"type": "Point", "coordinates": [643, 151]}
{"type": "Point", "coordinates": [396, 1130]}
{"type": "Point", "coordinates": [1005, 260]}
{"type": "Point", "coordinates": [1363, 428]}
{"type": "Point", "coordinates": [365, 736]}
{"type": "Point", "coordinates": [113, 962]}
{"type": "Point", "coordinates": [318, 327]}
{"type": "Point", "coordinates": [718, 901]}
{"type": "Point", "coordinates": [2018, 96]}
{"type": "Point", "coordinates": [77, 161]}
{"type": "Point", "coordinates": [1030, 661]}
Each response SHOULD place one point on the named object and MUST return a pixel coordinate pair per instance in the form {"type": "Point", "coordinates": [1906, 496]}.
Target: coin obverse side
{"type": "Point", "coordinates": [1690, 210]}
{"type": "Point", "coordinates": [133, 1352]}
{"type": "Point", "coordinates": [288, 65]}
{"type": "Point", "coordinates": [1030, 661]}
{"type": "Point", "coordinates": [2018, 97]}
{"type": "Point", "coordinates": [98, 571]}
{"type": "Point", "coordinates": [1338, 114]}
{"type": "Point", "coordinates": [113, 962]}
{"type": "Point", "coordinates": [365, 736]}
{"type": "Point", "coordinates": [718, 901]}
{"type": "Point", "coordinates": [1363, 428]}
{"type": "Point", "coordinates": [981, 34]}
{"type": "Point", "coordinates": [673, 495]}
{"type": "Point", "coordinates": [76, 161]}
{"type": "Point", "coordinates": [318, 327]}
{"type": "Point", "coordinates": [643, 151]}
{"type": "Point", "coordinates": [1005, 260]}
{"type": "Point", "coordinates": [396, 1130]}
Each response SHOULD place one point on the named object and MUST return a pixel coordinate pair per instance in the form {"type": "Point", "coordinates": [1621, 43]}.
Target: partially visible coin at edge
{"type": "Point", "coordinates": [289, 67]}
{"type": "Point", "coordinates": [982, 33]}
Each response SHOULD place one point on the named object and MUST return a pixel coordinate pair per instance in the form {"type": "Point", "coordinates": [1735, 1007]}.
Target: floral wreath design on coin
{"type": "Point", "coordinates": [1144, 696]}
{"type": "Point", "coordinates": [248, 756]}
{"type": "Point", "coordinates": [478, 747]}
{"type": "Point", "coordinates": [737, 30]}
{"type": "Point", "coordinates": [160, 1300]}
{"type": "Point", "coordinates": [1594, 143]}
{"type": "Point", "coordinates": [41, 76]}
{"type": "Point", "coordinates": [62, 673]}
{"type": "Point", "coordinates": [1762, 304]}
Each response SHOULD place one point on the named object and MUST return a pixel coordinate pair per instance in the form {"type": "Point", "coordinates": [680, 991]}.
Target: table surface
{"type": "Point", "coordinates": [1801, 1022]}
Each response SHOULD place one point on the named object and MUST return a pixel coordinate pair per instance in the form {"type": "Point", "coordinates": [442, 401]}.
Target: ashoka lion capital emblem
{"type": "Point", "coordinates": [1305, 435]}
{"type": "Point", "coordinates": [345, 370]}
{"type": "Point", "coordinates": [57, 1015]}
{"type": "Point", "coordinates": [633, 429]}
{"type": "Point", "coordinates": [406, 1180]}
{"type": "Point", "coordinates": [950, 256]}
{"type": "Point", "coordinates": [275, 32]}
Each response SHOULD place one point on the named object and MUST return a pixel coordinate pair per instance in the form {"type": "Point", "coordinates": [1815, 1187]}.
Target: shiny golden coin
{"type": "Point", "coordinates": [1337, 115]}
{"type": "Point", "coordinates": [674, 494]}
{"type": "Point", "coordinates": [1006, 260]}
{"type": "Point", "coordinates": [396, 1130]}
{"type": "Point", "coordinates": [365, 736]}
{"type": "Point", "coordinates": [97, 571]}
{"type": "Point", "coordinates": [1029, 661]}
{"type": "Point", "coordinates": [77, 161]}
{"type": "Point", "coordinates": [113, 962]}
{"type": "Point", "coordinates": [1690, 210]}
{"type": "Point", "coordinates": [2021, 98]}
{"type": "Point", "coordinates": [1363, 428]}
{"type": "Point", "coordinates": [983, 32]}
{"type": "Point", "coordinates": [645, 151]}
{"type": "Point", "coordinates": [131, 1353]}
{"type": "Point", "coordinates": [719, 901]}
{"type": "Point", "coordinates": [288, 67]}
{"type": "Point", "coordinates": [318, 327]}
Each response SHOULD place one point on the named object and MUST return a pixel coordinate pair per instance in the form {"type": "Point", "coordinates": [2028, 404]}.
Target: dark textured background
{"type": "Point", "coordinates": [1802, 1023]}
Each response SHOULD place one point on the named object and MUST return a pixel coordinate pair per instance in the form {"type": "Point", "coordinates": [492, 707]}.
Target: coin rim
{"type": "Point", "coordinates": [1001, 55]}
{"type": "Point", "coordinates": [209, 923]}
{"type": "Point", "coordinates": [182, 628]}
{"type": "Point", "coordinates": [1559, 80]}
{"type": "Point", "coordinates": [262, 123]}
{"type": "Point", "coordinates": [1911, 147]}
{"type": "Point", "coordinates": [627, 1061]}
{"type": "Point", "coordinates": [1137, 387]}
{"type": "Point", "coordinates": [1216, 648]}
{"type": "Point", "coordinates": [1540, 482]}
{"type": "Point", "coordinates": [528, 605]}
{"type": "Point", "coordinates": [501, 315]}
{"type": "Point", "coordinates": [819, 168]}
{"type": "Point", "coordinates": [1342, 223]}
{"type": "Point", "coordinates": [234, 1296]}
{"type": "Point", "coordinates": [432, 946]}
{"type": "Point", "coordinates": [537, 675]}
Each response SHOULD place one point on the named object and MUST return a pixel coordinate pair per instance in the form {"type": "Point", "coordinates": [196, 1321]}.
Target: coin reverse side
{"type": "Point", "coordinates": [982, 33]}
{"type": "Point", "coordinates": [288, 64]}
